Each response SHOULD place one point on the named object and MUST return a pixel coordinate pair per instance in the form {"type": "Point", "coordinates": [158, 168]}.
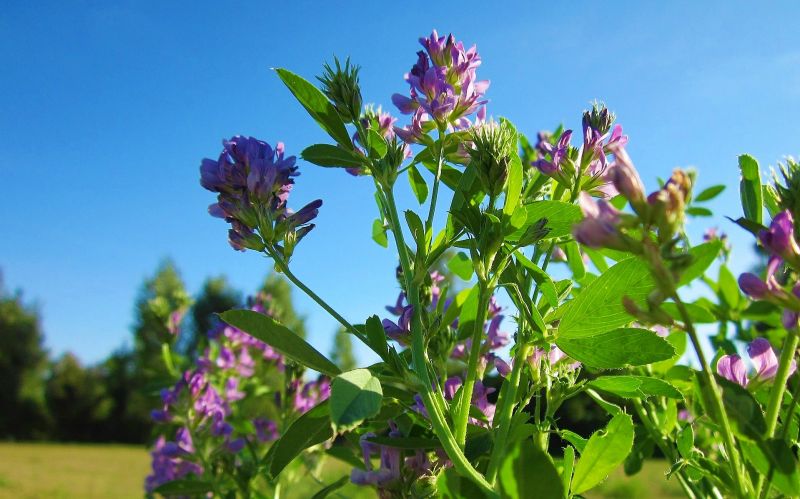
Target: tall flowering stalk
{"type": "Point", "coordinates": [456, 394]}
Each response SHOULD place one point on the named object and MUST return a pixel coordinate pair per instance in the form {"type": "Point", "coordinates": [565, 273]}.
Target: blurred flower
{"type": "Point", "coordinates": [763, 357]}
{"type": "Point", "coordinates": [598, 229]}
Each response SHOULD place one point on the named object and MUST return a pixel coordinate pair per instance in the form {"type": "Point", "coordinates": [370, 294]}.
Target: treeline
{"type": "Point", "coordinates": [45, 398]}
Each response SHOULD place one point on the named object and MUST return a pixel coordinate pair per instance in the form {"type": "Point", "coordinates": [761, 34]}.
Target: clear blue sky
{"type": "Point", "coordinates": [107, 108]}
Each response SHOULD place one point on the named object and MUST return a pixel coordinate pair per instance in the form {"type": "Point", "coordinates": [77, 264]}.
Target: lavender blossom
{"type": "Point", "coordinates": [443, 84]}
{"type": "Point", "coordinates": [598, 229]}
{"type": "Point", "coordinates": [763, 357]}
{"type": "Point", "coordinates": [558, 154]}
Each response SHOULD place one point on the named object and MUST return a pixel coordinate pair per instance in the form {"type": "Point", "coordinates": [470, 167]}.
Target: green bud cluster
{"type": "Point", "coordinates": [341, 87]}
{"type": "Point", "coordinates": [493, 145]}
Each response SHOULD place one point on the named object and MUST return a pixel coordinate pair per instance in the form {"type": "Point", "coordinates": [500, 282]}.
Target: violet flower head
{"type": "Point", "coordinates": [443, 83]}
{"type": "Point", "coordinates": [598, 229]}
{"type": "Point", "coordinates": [626, 179]}
{"type": "Point", "coordinates": [557, 154]}
{"type": "Point", "coordinates": [732, 368]}
{"type": "Point", "coordinates": [779, 238]}
{"type": "Point", "coordinates": [253, 181]}
{"type": "Point", "coordinates": [401, 330]}
{"type": "Point", "coordinates": [753, 286]}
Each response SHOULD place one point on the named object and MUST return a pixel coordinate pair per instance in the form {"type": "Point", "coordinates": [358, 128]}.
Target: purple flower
{"type": "Point", "coordinates": [398, 307]}
{"type": "Point", "coordinates": [494, 338]}
{"type": "Point", "coordinates": [389, 470]}
{"type": "Point", "coordinates": [266, 430]}
{"type": "Point", "coordinates": [779, 238]}
{"type": "Point", "coordinates": [400, 330]}
{"type": "Point", "coordinates": [732, 368]}
{"type": "Point", "coordinates": [235, 446]}
{"type": "Point", "coordinates": [443, 85]}
{"type": "Point", "coordinates": [451, 386]}
{"type": "Point", "coordinates": [626, 178]}
{"type": "Point", "coordinates": [253, 182]}
{"type": "Point", "coordinates": [503, 368]}
{"type": "Point", "coordinates": [557, 154]}
{"type": "Point", "coordinates": [598, 229]}
{"type": "Point", "coordinates": [763, 357]}
{"type": "Point", "coordinates": [753, 286]}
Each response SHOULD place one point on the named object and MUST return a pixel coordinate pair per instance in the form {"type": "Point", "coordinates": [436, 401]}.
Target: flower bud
{"type": "Point", "coordinates": [342, 88]}
{"type": "Point", "coordinates": [599, 228]}
{"type": "Point", "coordinates": [598, 119]}
{"type": "Point", "coordinates": [627, 180]}
{"type": "Point", "coordinates": [752, 286]}
{"type": "Point", "coordinates": [493, 145]}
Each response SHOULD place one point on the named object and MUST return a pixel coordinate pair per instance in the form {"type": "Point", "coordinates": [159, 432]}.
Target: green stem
{"type": "Point", "coordinates": [436, 181]}
{"type": "Point", "coordinates": [716, 399]}
{"type": "Point", "coordinates": [657, 437]}
{"type": "Point", "coordinates": [465, 401]}
{"type": "Point", "coordinates": [505, 404]}
{"type": "Point", "coordinates": [778, 390]}
{"type": "Point", "coordinates": [284, 267]}
{"type": "Point", "coordinates": [431, 397]}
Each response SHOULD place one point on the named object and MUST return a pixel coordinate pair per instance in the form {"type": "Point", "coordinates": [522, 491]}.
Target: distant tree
{"type": "Point", "coordinates": [161, 303]}
{"type": "Point", "coordinates": [216, 296]}
{"type": "Point", "coordinates": [279, 294]}
{"type": "Point", "coordinates": [342, 351]}
{"type": "Point", "coordinates": [118, 378]}
{"type": "Point", "coordinates": [23, 414]}
{"type": "Point", "coordinates": [77, 400]}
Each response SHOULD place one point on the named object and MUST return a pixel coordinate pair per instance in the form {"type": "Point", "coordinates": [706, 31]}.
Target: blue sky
{"type": "Point", "coordinates": [108, 107]}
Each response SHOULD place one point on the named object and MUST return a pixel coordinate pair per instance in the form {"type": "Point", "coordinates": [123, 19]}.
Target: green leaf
{"type": "Point", "coordinates": [317, 105]}
{"type": "Point", "coordinates": [598, 308]}
{"type": "Point", "coordinates": [377, 144]}
{"type": "Point", "coordinates": [750, 188]}
{"type": "Point", "coordinates": [560, 218]}
{"type": "Point", "coordinates": [710, 193]}
{"type": "Point", "coordinates": [728, 287]}
{"type": "Point", "coordinates": [635, 386]}
{"type": "Point", "coordinates": [576, 440]}
{"type": "Point", "coordinates": [703, 256]}
{"type": "Point", "coordinates": [541, 278]}
{"type": "Point", "coordinates": [281, 338]}
{"type": "Point", "coordinates": [513, 186]}
{"type": "Point", "coordinates": [331, 156]}
{"type": "Point", "coordinates": [699, 211]}
{"type": "Point", "coordinates": [461, 265]}
{"type": "Point", "coordinates": [325, 492]}
{"type": "Point", "coordinates": [310, 429]}
{"type": "Point", "coordinates": [569, 465]}
{"type": "Point", "coordinates": [604, 452]}
{"type": "Point", "coordinates": [744, 413]}
{"type": "Point", "coordinates": [376, 336]}
{"type": "Point", "coordinates": [574, 259]}
{"type": "Point", "coordinates": [618, 348]}
{"type": "Point", "coordinates": [527, 468]}
{"type": "Point", "coordinates": [697, 313]}
{"type": "Point", "coordinates": [774, 455]}
{"type": "Point", "coordinates": [185, 487]}
{"type": "Point", "coordinates": [355, 396]}
{"type": "Point", "coordinates": [379, 233]}
{"type": "Point", "coordinates": [418, 184]}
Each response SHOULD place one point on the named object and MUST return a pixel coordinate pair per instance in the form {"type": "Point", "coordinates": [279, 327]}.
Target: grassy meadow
{"type": "Point", "coordinates": [99, 471]}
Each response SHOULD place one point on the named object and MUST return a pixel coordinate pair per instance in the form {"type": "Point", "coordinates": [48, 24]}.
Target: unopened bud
{"type": "Point", "coordinates": [342, 88]}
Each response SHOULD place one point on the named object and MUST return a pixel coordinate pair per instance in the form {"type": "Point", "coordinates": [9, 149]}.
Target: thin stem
{"type": "Point", "coordinates": [465, 400]}
{"type": "Point", "coordinates": [436, 181]}
{"type": "Point", "coordinates": [716, 399]}
{"type": "Point", "coordinates": [505, 404]}
{"type": "Point", "coordinates": [284, 267]}
{"type": "Point", "coordinates": [667, 451]}
{"type": "Point", "coordinates": [431, 397]}
{"type": "Point", "coordinates": [777, 392]}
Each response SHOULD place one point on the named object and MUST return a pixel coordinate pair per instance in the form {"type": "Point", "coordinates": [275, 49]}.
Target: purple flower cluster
{"type": "Point", "coordinates": [780, 242]}
{"type": "Point", "coordinates": [170, 460]}
{"type": "Point", "coordinates": [204, 402]}
{"type": "Point", "coordinates": [444, 87]}
{"type": "Point", "coordinates": [763, 357]}
{"type": "Point", "coordinates": [394, 474]}
{"type": "Point", "coordinates": [253, 182]}
{"type": "Point", "coordinates": [592, 158]}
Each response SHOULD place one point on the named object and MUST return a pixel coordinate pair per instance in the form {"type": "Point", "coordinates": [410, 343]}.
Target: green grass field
{"type": "Point", "coordinates": [100, 471]}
